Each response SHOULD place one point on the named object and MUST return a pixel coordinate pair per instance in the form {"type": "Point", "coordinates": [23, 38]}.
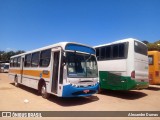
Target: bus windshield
{"type": "Point", "coordinates": [6, 66]}
{"type": "Point", "coordinates": [81, 65]}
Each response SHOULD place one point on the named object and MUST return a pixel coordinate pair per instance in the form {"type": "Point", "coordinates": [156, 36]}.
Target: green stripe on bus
{"type": "Point", "coordinates": [116, 82]}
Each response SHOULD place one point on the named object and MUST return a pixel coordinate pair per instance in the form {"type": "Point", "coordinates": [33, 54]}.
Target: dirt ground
{"type": "Point", "coordinates": [13, 99]}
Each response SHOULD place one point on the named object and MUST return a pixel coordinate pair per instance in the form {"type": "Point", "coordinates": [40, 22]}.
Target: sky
{"type": "Point", "coordinates": [30, 24]}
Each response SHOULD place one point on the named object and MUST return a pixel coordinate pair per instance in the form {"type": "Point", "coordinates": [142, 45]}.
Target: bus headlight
{"type": "Point", "coordinates": [74, 85]}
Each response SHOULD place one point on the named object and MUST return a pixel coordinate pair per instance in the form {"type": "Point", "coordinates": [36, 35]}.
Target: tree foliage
{"type": "Point", "coordinates": [5, 56]}
{"type": "Point", "coordinates": [153, 46]}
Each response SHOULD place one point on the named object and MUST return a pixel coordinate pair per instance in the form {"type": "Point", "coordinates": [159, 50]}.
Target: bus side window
{"type": "Point", "coordinates": [35, 59]}
{"type": "Point", "coordinates": [121, 50]}
{"type": "Point", "coordinates": [45, 58]}
{"type": "Point", "coordinates": [27, 62]}
{"type": "Point", "coordinates": [103, 53]}
{"type": "Point", "coordinates": [11, 62]}
{"type": "Point", "coordinates": [18, 61]}
{"type": "Point", "coordinates": [108, 52]}
{"type": "Point", "coordinates": [115, 51]}
{"type": "Point", "coordinates": [15, 62]}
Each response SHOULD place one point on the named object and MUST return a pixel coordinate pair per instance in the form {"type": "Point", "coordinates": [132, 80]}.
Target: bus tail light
{"type": "Point", "coordinates": [157, 73]}
{"type": "Point", "coordinates": [133, 74]}
{"type": "Point", "coordinates": [150, 77]}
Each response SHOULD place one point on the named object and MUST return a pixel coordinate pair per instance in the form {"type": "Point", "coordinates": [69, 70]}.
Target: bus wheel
{"type": "Point", "coordinates": [44, 91]}
{"type": "Point", "coordinates": [16, 81]}
{"type": "Point", "coordinates": [99, 90]}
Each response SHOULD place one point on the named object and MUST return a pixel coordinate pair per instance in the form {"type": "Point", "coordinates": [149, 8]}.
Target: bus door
{"type": "Point", "coordinates": [56, 55]}
{"type": "Point", "coordinates": [22, 65]}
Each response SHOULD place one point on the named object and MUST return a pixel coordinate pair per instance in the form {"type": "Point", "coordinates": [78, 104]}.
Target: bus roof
{"type": "Point", "coordinates": [119, 41]}
{"type": "Point", "coordinates": [60, 44]}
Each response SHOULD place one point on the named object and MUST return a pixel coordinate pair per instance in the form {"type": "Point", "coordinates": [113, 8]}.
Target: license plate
{"type": "Point", "coordinates": [85, 91]}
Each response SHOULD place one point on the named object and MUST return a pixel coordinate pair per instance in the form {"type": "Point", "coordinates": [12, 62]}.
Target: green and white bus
{"type": "Point", "coordinates": [123, 65]}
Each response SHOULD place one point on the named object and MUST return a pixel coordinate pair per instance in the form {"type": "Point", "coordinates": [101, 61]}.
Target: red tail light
{"type": "Point", "coordinates": [133, 74]}
{"type": "Point", "coordinates": [157, 73]}
{"type": "Point", "coordinates": [150, 77]}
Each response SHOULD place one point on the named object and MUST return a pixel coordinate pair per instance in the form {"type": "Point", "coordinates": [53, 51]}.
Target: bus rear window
{"type": "Point", "coordinates": [140, 48]}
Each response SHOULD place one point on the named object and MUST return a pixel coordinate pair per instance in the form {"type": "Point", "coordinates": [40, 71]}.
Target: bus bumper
{"type": "Point", "coordinates": [71, 91]}
{"type": "Point", "coordinates": [141, 85]}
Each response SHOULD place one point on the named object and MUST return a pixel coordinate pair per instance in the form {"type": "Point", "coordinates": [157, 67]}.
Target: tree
{"type": "Point", "coordinates": [5, 56]}
{"type": "Point", "coordinates": [145, 42]}
{"type": "Point", "coordinates": [154, 46]}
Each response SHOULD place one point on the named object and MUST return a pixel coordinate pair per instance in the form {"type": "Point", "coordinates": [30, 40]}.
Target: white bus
{"type": "Point", "coordinates": [4, 67]}
{"type": "Point", "coordinates": [64, 69]}
{"type": "Point", "coordinates": [123, 65]}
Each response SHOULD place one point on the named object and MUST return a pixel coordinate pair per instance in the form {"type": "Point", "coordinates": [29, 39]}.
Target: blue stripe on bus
{"type": "Point", "coordinates": [80, 48]}
{"type": "Point", "coordinates": [71, 91]}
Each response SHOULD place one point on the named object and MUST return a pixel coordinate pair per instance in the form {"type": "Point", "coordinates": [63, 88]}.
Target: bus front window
{"type": "Point", "coordinates": [6, 67]}
{"type": "Point", "coordinates": [81, 65]}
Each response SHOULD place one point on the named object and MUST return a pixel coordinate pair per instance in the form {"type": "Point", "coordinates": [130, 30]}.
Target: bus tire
{"type": "Point", "coordinates": [16, 81]}
{"type": "Point", "coordinates": [100, 90]}
{"type": "Point", "coordinates": [44, 91]}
